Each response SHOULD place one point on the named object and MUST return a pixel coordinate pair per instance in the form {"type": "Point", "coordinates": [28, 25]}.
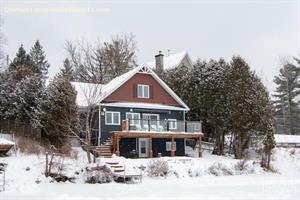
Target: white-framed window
{"type": "Point", "coordinates": [134, 118]}
{"type": "Point", "coordinates": [169, 145]}
{"type": "Point", "coordinates": [112, 118]}
{"type": "Point", "coordinates": [143, 91]}
{"type": "Point", "coordinates": [172, 124]}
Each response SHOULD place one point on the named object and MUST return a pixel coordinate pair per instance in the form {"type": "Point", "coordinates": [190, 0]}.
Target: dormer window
{"type": "Point", "coordinates": [143, 91]}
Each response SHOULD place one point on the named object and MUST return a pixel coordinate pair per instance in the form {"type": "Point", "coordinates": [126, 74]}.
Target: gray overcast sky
{"type": "Point", "coordinates": [261, 31]}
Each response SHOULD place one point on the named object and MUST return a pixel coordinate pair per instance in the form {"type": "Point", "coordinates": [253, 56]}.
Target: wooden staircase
{"type": "Point", "coordinates": [120, 174]}
{"type": "Point", "coordinates": [104, 150]}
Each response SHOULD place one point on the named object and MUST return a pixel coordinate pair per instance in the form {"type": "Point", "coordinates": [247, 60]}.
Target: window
{"type": "Point", "coordinates": [112, 118]}
{"type": "Point", "coordinates": [172, 124]}
{"type": "Point", "coordinates": [168, 146]}
{"type": "Point", "coordinates": [134, 118]}
{"type": "Point", "coordinates": [143, 91]}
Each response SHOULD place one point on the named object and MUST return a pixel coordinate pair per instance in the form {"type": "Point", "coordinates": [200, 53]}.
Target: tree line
{"type": "Point", "coordinates": [30, 97]}
{"type": "Point", "coordinates": [229, 99]}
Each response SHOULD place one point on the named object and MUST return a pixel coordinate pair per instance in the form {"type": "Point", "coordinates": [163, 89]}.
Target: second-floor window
{"type": "Point", "coordinates": [143, 91]}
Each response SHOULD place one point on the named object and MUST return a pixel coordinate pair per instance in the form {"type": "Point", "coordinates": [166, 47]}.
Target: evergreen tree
{"type": "Point", "coordinates": [23, 90]}
{"type": "Point", "coordinates": [67, 70]}
{"type": "Point", "coordinates": [286, 96]}
{"type": "Point", "coordinates": [39, 62]}
{"type": "Point", "coordinates": [247, 102]}
{"type": "Point", "coordinates": [61, 113]}
{"type": "Point", "coordinates": [21, 66]}
{"type": "Point", "coordinates": [28, 97]}
{"type": "Point", "coordinates": [268, 136]}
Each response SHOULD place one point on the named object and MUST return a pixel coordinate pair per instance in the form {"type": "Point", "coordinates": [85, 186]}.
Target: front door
{"type": "Point", "coordinates": [143, 147]}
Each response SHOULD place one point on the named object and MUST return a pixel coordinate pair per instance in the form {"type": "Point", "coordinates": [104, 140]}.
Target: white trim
{"type": "Point", "coordinates": [169, 145]}
{"type": "Point", "coordinates": [169, 90]}
{"type": "Point", "coordinates": [112, 118]}
{"type": "Point", "coordinates": [151, 114]}
{"type": "Point", "coordinates": [143, 91]}
{"type": "Point", "coordinates": [145, 155]}
{"type": "Point", "coordinates": [172, 120]}
{"type": "Point", "coordinates": [143, 105]}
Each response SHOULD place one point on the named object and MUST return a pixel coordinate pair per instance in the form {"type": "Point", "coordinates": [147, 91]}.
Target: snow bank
{"type": "Point", "coordinates": [6, 141]}
{"type": "Point", "coordinates": [25, 177]}
{"type": "Point", "coordinates": [286, 160]}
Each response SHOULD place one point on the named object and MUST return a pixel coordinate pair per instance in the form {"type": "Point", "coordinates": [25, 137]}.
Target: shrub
{"type": "Point", "coordinates": [29, 146]}
{"type": "Point", "coordinates": [98, 174]}
{"type": "Point", "coordinates": [158, 168]}
{"type": "Point", "coordinates": [219, 169]}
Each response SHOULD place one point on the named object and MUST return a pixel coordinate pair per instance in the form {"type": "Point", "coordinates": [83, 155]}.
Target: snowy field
{"type": "Point", "coordinates": [189, 178]}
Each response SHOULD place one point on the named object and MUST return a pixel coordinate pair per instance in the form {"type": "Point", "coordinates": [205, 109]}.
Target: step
{"type": "Point", "coordinates": [116, 166]}
{"type": "Point", "coordinates": [119, 170]}
{"type": "Point", "coordinates": [112, 163]}
{"type": "Point", "coordinates": [104, 154]}
{"type": "Point", "coordinates": [103, 150]}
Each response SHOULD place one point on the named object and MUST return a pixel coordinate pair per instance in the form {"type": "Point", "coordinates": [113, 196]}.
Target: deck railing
{"type": "Point", "coordinates": [168, 125]}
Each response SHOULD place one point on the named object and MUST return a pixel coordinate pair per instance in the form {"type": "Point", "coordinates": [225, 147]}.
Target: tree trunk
{"type": "Point", "coordinates": [88, 136]}
{"type": "Point", "coordinates": [238, 147]}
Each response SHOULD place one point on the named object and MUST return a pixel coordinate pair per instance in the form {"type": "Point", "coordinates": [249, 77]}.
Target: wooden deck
{"type": "Point", "coordinates": [4, 148]}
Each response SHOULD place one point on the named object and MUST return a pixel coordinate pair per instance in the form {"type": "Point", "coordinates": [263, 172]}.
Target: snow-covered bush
{"type": "Point", "coordinates": [98, 174]}
{"type": "Point", "coordinates": [158, 168]}
{"type": "Point", "coordinates": [244, 167]}
{"type": "Point", "coordinates": [219, 169]}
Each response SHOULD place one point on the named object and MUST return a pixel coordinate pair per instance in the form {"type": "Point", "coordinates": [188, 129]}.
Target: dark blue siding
{"type": "Point", "coordinates": [128, 146]}
{"type": "Point", "coordinates": [107, 129]}
{"type": "Point", "coordinates": [159, 146]}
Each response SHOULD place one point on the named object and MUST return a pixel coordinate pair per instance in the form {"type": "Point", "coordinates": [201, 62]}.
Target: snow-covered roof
{"type": "Point", "coordinates": [280, 138]}
{"type": "Point", "coordinates": [143, 105]}
{"type": "Point", "coordinates": [91, 94]}
{"type": "Point", "coordinates": [6, 141]}
{"type": "Point", "coordinates": [172, 61]}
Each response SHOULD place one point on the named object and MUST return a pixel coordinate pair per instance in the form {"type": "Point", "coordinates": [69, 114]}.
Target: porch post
{"type": "Point", "coordinates": [172, 147]}
{"type": "Point", "coordinates": [150, 147]}
{"type": "Point", "coordinates": [199, 147]}
{"type": "Point", "coordinates": [118, 145]}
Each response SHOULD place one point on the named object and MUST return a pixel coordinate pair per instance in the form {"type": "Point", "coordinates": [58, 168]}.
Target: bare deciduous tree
{"type": "Point", "coordinates": [91, 97]}
{"type": "Point", "coordinates": [101, 62]}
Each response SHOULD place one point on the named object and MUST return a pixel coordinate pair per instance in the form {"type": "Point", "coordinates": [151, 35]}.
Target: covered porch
{"type": "Point", "coordinates": [152, 135]}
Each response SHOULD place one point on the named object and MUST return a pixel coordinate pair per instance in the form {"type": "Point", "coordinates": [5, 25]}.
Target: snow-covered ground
{"type": "Point", "coordinates": [189, 178]}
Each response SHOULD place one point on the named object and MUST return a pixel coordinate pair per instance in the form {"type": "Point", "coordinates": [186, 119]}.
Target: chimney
{"type": "Point", "coordinates": [159, 62]}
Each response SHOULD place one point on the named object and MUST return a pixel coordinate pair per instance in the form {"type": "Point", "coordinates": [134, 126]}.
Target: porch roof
{"type": "Point", "coordinates": [153, 134]}
{"type": "Point", "coordinates": [144, 105]}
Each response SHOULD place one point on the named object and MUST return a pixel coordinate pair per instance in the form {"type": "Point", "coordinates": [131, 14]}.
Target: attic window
{"type": "Point", "coordinates": [143, 91]}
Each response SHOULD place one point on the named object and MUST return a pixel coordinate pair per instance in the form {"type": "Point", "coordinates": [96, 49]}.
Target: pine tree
{"type": "Point", "coordinates": [286, 96]}
{"type": "Point", "coordinates": [21, 65]}
{"type": "Point", "coordinates": [67, 70]}
{"type": "Point", "coordinates": [39, 62]}
{"type": "Point", "coordinates": [61, 113]}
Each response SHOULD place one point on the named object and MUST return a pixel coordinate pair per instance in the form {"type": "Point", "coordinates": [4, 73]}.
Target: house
{"type": "Point", "coordinates": [162, 62]}
{"type": "Point", "coordinates": [287, 141]}
{"type": "Point", "coordinates": [139, 115]}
